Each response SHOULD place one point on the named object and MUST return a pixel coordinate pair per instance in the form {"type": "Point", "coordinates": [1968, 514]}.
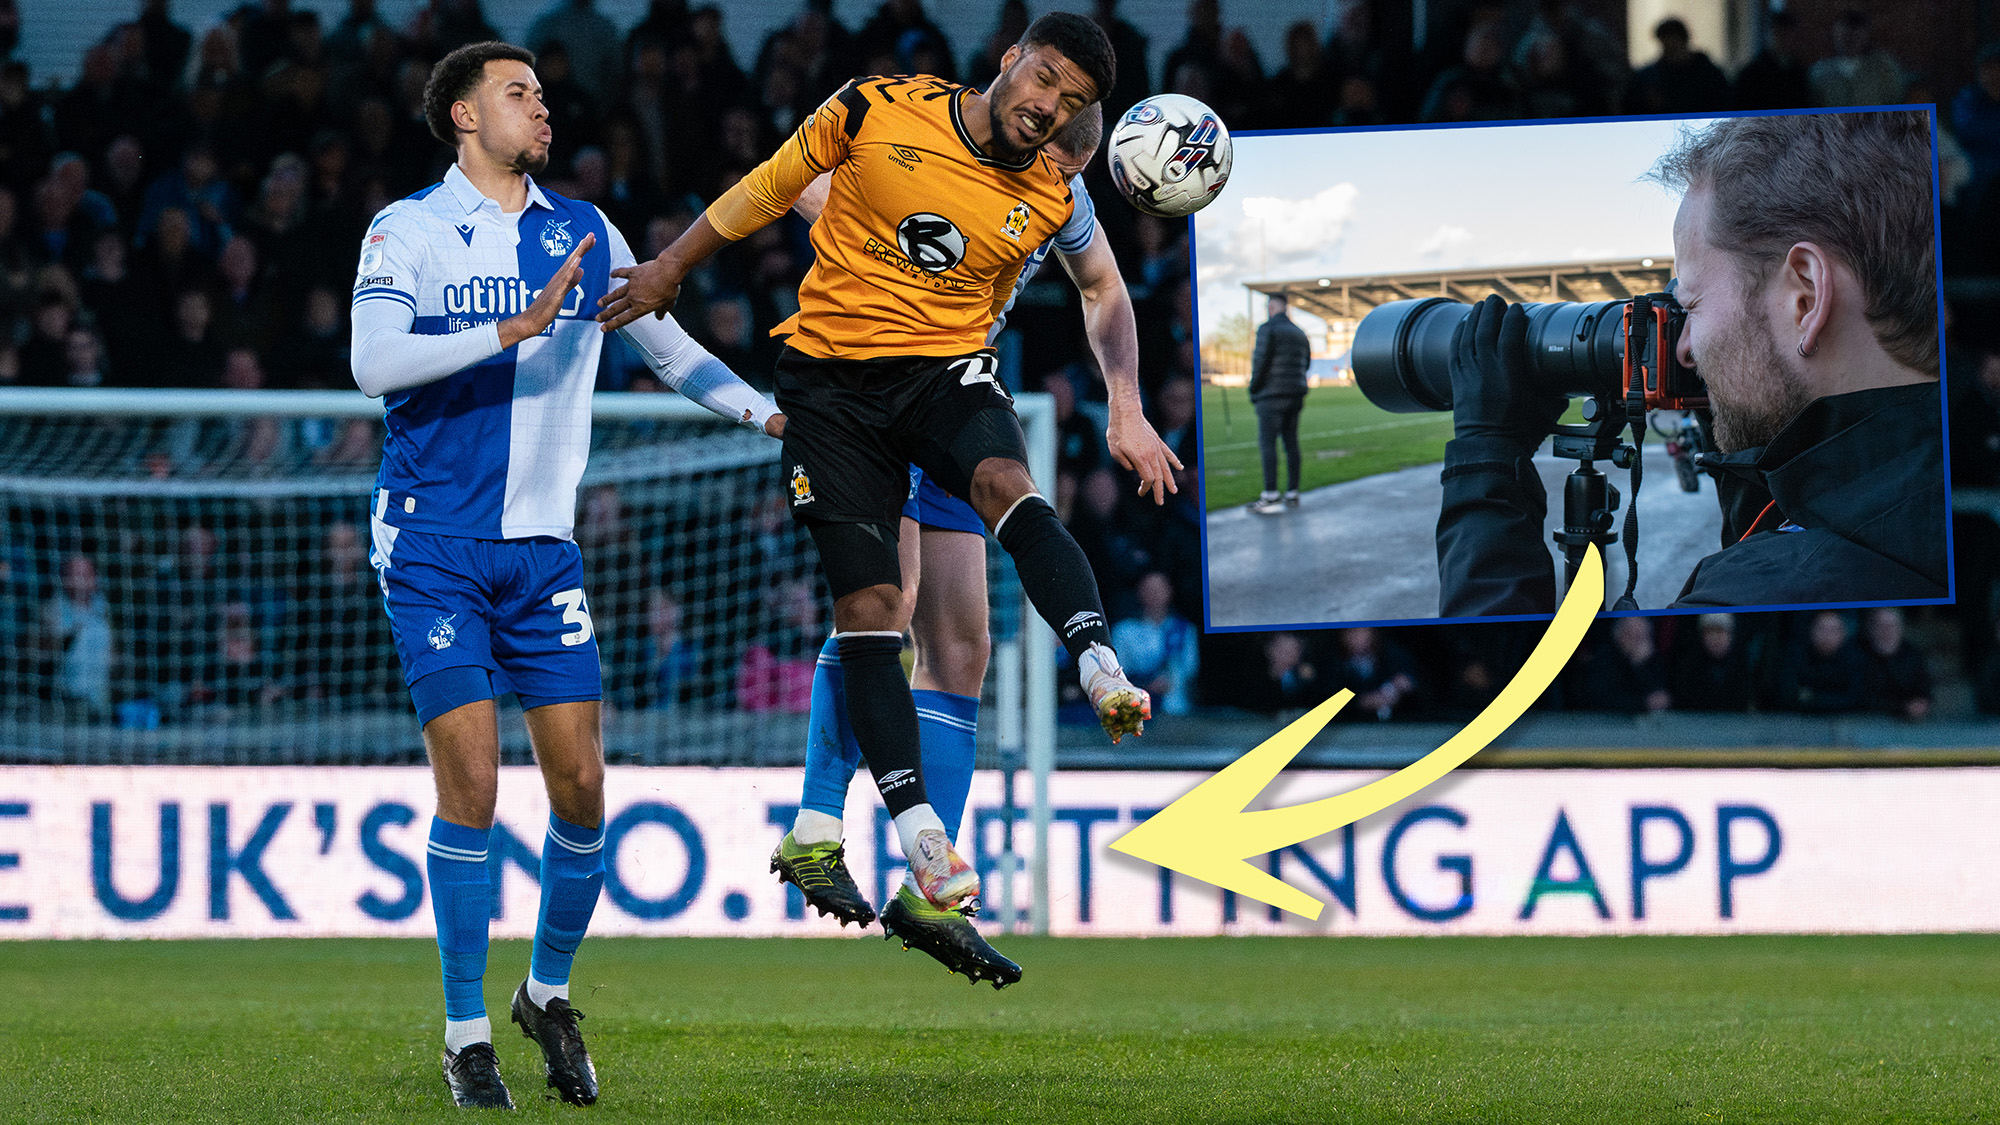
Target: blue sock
{"type": "Point", "coordinates": [948, 726]}
{"type": "Point", "coordinates": [832, 755]}
{"type": "Point", "coordinates": [461, 900]}
{"type": "Point", "coordinates": [572, 873]}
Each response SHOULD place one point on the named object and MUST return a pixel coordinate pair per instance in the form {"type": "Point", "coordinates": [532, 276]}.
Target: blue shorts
{"type": "Point", "coordinates": [931, 506]}
{"type": "Point", "coordinates": [514, 607]}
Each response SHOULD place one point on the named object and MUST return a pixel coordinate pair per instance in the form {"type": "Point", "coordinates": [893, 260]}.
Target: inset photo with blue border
{"type": "Point", "coordinates": [1416, 400]}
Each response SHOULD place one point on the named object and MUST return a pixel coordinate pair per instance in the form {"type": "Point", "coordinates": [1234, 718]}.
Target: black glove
{"type": "Point", "coordinates": [1492, 394]}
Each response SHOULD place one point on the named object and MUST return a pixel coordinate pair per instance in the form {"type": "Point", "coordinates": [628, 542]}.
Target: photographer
{"type": "Point", "coordinates": [1806, 265]}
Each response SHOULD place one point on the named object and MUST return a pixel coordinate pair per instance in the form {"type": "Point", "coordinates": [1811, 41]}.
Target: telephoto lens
{"type": "Point", "coordinates": [1402, 350]}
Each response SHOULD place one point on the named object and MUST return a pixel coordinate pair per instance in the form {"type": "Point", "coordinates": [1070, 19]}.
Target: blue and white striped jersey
{"type": "Point", "coordinates": [1073, 238]}
{"type": "Point", "coordinates": [496, 449]}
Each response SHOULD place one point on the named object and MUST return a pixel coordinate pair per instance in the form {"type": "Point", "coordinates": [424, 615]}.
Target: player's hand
{"type": "Point", "coordinates": [536, 318]}
{"type": "Point", "coordinates": [1493, 392]}
{"type": "Point", "coordinates": [650, 287]}
{"type": "Point", "coordinates": [1135, 445]}
{"type": "Point", "coordinates": [775, 425]}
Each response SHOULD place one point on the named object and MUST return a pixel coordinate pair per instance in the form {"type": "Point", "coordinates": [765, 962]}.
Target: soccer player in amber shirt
{"type": "Point", "coordinates": [939, 195]}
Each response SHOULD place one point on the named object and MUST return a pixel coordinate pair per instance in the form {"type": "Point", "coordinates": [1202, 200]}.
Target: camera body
{"type": "Point", "coordinates": [1402, 353]}
{"type": "Point", "coordinates": [1621, 357]}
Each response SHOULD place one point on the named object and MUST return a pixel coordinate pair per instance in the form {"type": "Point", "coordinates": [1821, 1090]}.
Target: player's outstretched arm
{"type": "Point", "coordinates": [388, 357]}
{"type": "Point", "coordinates": [686, 366]}
{"type": "Point", "coordinates": [683, 364]}
{"type": "Point", "coordinates": [653, 287]}
{"type": "Point", "coordinates": [1114, 338]}
{"type": "Point", "coordinates": [753, 203]}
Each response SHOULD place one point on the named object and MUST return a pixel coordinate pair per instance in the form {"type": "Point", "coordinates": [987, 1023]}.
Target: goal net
{"type": "Point", "coordinates": [184, 578]}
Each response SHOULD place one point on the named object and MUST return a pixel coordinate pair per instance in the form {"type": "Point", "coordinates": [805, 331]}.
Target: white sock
{"type": "Point", "coordinates": [540, 994]}
{"type": "Point", "coordinates": [913, 820]}
{"type": "Point", "coordinates": [812, 826]}
{"type": "Point", "coordinates": [460, 1034]}
{"type": "Point", "coordinates": [910, 881]}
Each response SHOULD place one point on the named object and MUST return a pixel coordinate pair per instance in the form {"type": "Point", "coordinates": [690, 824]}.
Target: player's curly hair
{"type": "Point", "coordinates": [457, 75]}
{"type": "Point", "coordinates": [1081, 41]}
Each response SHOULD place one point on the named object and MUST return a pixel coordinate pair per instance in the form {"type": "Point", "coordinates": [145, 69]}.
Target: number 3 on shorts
{"type": "Point", "coordinates": [571, 603]}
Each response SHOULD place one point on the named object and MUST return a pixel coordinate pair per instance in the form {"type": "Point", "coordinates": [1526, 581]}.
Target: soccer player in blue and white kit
{"type": "Point", "coordinates": [469, 318]}
{"type": "Point", "coordinates": [947, 607]}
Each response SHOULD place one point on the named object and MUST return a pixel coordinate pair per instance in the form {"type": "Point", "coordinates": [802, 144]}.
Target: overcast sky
{"type": "Point", "coordinates": [1392, 201]}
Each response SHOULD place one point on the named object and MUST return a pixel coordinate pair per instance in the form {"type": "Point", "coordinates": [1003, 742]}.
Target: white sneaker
{"type": "Point", "coordinates": [944, 878]}
{"type": "Point", "coordinates": [1292, 499]}
{"type": "Point", "coordinates": [1267, 504]}
{"type": "Point", "coordinates": [1122, 706]}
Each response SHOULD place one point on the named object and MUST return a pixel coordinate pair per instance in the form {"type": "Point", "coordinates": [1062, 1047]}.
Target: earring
{"type": "Point", "coordinates": [1803, 353]}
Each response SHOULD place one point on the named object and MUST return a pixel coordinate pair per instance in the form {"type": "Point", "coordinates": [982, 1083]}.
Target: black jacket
{"type": "Point", "coordinates": [1278, 366]}
{"type": "Point", "coordinates": [1854, 484]}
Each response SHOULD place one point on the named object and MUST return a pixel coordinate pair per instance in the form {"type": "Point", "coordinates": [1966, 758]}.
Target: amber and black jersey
{"type": "Point", "coordinates": [922, 235]}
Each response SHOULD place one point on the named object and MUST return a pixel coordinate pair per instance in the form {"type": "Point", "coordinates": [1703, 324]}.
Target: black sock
{"type": "Point", "coordinates": [884, 716]}
{"type": "Point", "coordinates": [1055, 574]}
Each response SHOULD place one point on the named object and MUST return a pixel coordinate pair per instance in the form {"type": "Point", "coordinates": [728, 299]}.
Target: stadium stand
{"type": "Point", "coordinates": [185, 214]}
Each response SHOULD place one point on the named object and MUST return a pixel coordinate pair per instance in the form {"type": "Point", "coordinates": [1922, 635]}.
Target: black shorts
{"type": "Point", "coordinates": [853, 427]}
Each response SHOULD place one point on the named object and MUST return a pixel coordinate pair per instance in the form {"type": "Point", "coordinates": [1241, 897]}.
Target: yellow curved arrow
{"type": "Point", "coordinates": [1208, 835]}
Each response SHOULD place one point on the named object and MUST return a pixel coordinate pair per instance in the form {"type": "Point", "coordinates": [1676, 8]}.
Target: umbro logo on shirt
{"type": "Point", "coordinates": [907, 157]}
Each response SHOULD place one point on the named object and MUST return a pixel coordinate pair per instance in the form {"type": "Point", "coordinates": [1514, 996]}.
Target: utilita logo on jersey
{"type": "Point", "coordinates": [485, 298]}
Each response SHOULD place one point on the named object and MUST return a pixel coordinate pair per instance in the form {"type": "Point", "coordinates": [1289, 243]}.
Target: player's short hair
{"type": "Point", "coordinates": [1857, 184]}
{"type": "Point", "coordinates": [1084, 132]}
{"type": "Point", "coordinates": [457, 75]}
{"type": "Point", "coordinates": [1081, 41]}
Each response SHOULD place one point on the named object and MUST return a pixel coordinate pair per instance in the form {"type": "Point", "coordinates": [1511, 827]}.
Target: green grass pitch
{"type": "Point", "coordinates": [1740, 1029]}
{"type": "Point", "coordinates": [1341, 437]}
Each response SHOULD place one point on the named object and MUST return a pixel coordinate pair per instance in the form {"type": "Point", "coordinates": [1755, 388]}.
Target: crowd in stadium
{"type": "Point", "coordinates": [187, 213]}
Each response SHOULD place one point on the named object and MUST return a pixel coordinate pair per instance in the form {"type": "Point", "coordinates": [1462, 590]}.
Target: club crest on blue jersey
{"type": "Point", "coordinates": [442, 634]}
{"type": "Point", "coordinates": [556, 238]}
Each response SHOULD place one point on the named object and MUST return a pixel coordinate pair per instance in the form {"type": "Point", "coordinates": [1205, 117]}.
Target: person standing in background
{"type": "Point", "coordinates": [1278, 392]}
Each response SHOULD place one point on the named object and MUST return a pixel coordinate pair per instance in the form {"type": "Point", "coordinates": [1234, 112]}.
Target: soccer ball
{"type": "Point", "coordinates": [1170, 155]}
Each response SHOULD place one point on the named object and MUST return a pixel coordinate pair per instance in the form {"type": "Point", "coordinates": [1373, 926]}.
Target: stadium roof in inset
{"type": "Point", "coordinates": [1351, 298]}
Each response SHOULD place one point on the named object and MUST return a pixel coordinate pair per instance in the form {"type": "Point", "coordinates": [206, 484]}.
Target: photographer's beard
{"type": "Point", "coordinates": [1753, 389]}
